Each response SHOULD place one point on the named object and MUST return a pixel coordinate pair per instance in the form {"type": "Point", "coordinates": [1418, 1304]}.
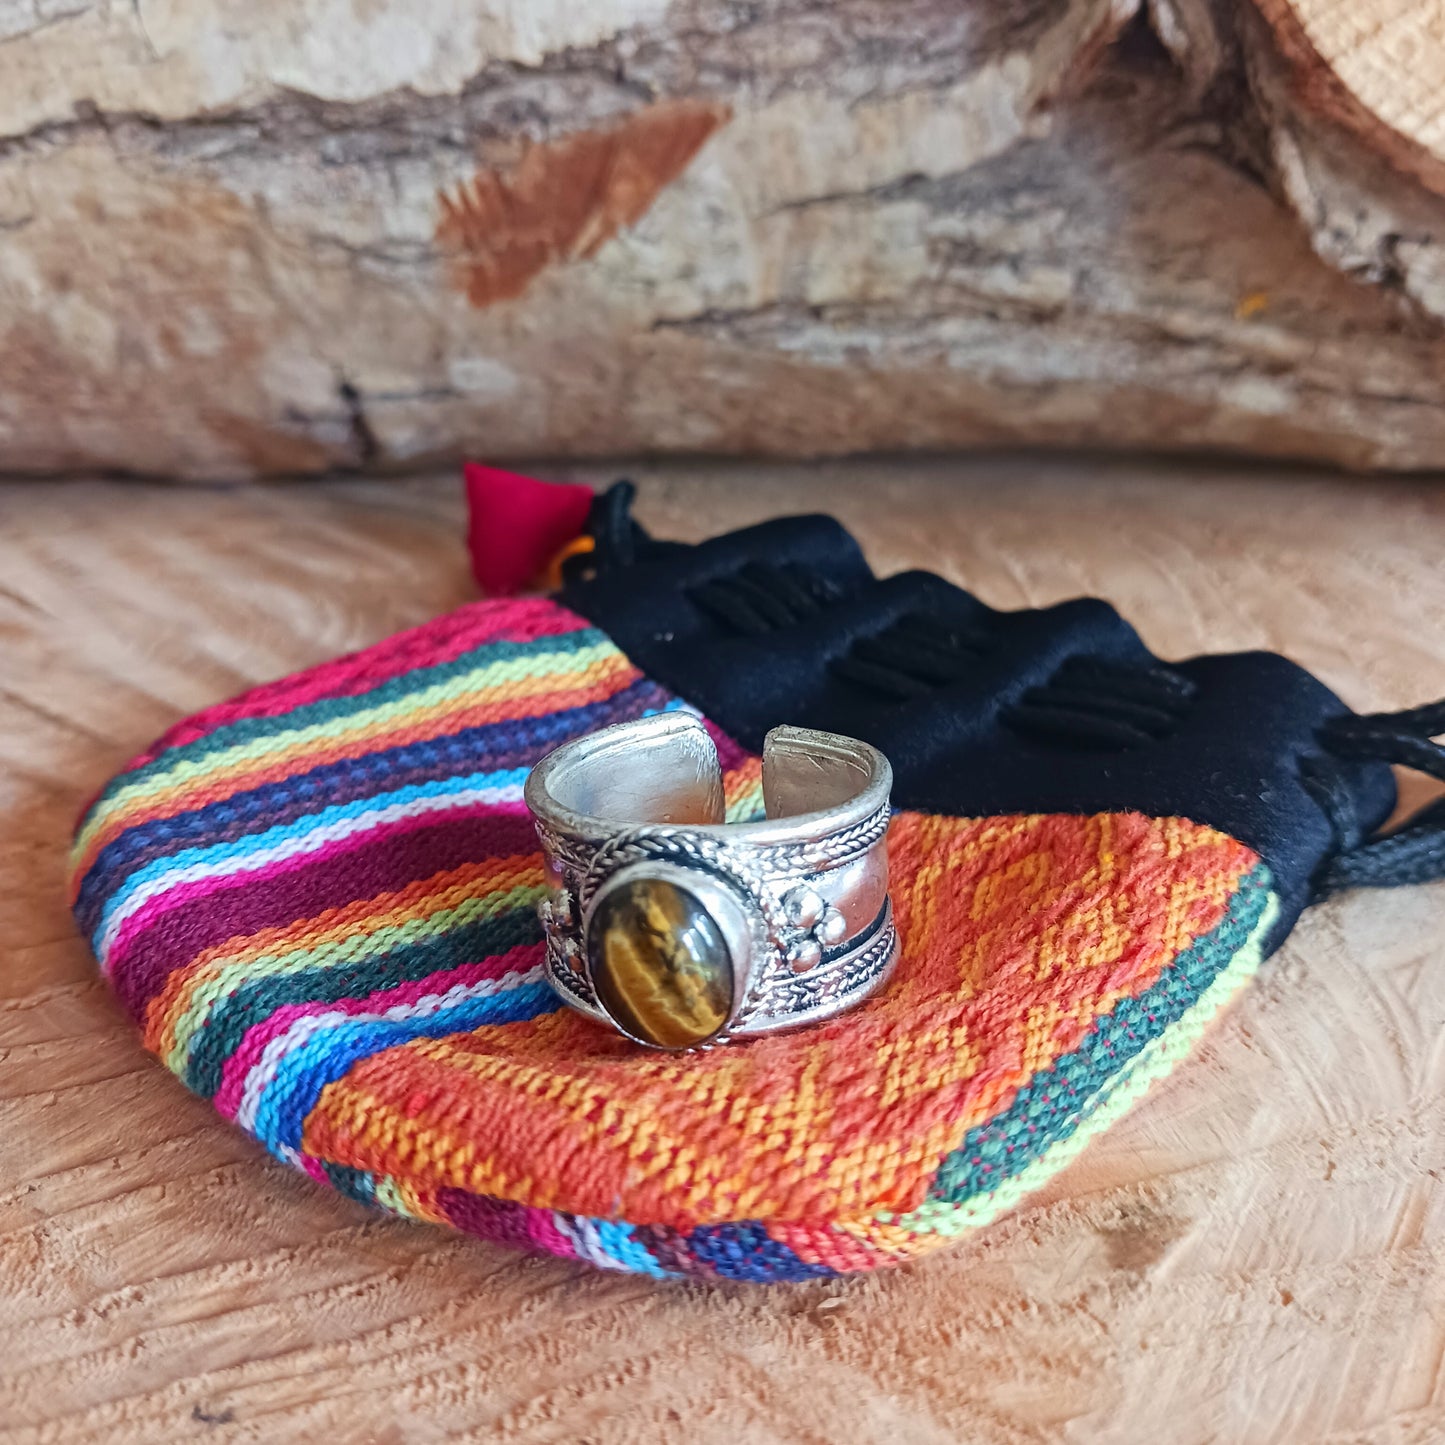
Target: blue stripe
{"type": "Point", "coordinates": [619, 1242]}
{"type": "Point", "coordinates": [747, 1251]}
{"type": "Point", "coordinates": [300, 827]}
{"type": "Point", "coordinates": [329, 1055]}
{"type": "Point", "coordinates": [367, 970]}
{"type": "Point", "coordinates": [332, 709]}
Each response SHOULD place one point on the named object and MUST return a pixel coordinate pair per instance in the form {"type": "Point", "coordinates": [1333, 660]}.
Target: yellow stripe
{"type": "Point", "coordinates": [222, 976]}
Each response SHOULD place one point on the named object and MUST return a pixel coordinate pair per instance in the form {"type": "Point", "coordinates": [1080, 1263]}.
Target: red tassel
{"type": "Point", "coordinates": [518, 525]}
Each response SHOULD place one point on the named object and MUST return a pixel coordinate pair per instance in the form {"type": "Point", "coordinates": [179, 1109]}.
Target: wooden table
{"type": "Point", "coordinates": [1256, 1254]}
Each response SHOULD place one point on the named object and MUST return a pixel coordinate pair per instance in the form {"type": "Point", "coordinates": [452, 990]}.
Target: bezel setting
{"type": "Point", "coordinates": [738, 925]}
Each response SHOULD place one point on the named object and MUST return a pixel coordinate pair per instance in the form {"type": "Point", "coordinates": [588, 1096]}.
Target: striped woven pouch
{"type": "Point", "coordinates": [318, 902]}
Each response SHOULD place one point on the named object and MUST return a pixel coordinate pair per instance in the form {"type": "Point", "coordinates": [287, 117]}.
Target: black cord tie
{"type": "Point", "coordinates": [1414, 853]}
{"type": "Point", "coordinates": [616, 537]}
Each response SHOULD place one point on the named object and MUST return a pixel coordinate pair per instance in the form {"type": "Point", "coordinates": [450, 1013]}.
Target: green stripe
{"type": "Point", "coordinates": [355, 948]}
{"type": "Point", "coordinates": [953, 1215]}
{"type": "Point", "coordinates": [330, 709]}
{"type": "Point", "coordinates": [259, 998]}
{"type": "Point", "coordinates": [1048, 1104]}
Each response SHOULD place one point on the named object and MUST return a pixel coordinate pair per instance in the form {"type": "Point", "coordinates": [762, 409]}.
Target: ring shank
{"type": "Point", "coordinates": [660, 769]}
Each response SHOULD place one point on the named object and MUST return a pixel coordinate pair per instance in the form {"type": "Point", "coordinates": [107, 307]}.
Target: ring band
{"type": "Point", "coordinates": [681, 930]}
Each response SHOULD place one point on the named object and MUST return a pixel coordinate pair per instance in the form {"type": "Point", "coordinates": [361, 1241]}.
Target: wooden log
{"type": "Point", "coordinates": [1346, 119]}
{"type": "Point", "coordinates": [1375, 68]}
{"type": "Point", "coordinates": [241, 239]}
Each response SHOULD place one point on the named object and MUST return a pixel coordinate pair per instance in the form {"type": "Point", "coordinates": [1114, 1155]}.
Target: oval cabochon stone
{"type": "Point", "coordinates": [659, 963]}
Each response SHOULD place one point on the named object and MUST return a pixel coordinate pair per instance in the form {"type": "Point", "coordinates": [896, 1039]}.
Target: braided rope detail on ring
{"type": "Point", "coordinates": [750, 869]}
{"type": "Point", "coordinates": [765, 861]}
{"type": "Point", "coordinates": [797, 994]}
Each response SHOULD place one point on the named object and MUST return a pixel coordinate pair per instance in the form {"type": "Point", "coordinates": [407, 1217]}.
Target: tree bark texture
{"type": "Point", "coordinates": [247, 237]}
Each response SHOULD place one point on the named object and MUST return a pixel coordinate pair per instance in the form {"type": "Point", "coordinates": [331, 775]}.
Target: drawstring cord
{"type": "Point", "coordinates": [615, 536]}
{"type": "Point", "coordinates": [1414, 853]}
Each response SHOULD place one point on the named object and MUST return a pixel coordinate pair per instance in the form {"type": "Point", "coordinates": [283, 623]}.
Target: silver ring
{"type": "Point", "coordinates": [681, 930]}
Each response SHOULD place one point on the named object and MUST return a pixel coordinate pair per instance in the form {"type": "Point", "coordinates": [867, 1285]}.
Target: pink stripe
{"type": "Point", "coordinates": [513, 1224]}
{"type": "Point", "coordinates": [307, 897]}
{"type": "Point", "coordinates": [732, 755]}
{"type": "Point", "coordinates": [429, 645]}
{"type": "Point", "coordinates": [199, 888]}
{"type": "Point", "coordinates": [253, 1043]}
{"type": "Point", "coordinates": [542, 1231]}
{"type": "Point", "coordinates": [314, 1169]}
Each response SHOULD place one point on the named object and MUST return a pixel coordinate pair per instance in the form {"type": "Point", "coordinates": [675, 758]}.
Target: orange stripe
{"type": "Point", "coordinates": [1016, 940]}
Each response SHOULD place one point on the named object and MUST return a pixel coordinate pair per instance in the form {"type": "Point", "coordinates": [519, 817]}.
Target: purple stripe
{"type": "Point", "coordinates": [140, 969]}
{"type": "Point", "coordinates": [504, 1222]}
{"type": "Point", "coordinates": [176, 895]}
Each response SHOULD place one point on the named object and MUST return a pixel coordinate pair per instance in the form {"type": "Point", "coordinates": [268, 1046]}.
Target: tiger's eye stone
{"type": "Point", "coordinates": [659, 963]}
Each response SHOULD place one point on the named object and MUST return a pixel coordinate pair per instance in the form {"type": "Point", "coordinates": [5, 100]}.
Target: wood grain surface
{"type": "Point", "coordinates": [1256, 1254]}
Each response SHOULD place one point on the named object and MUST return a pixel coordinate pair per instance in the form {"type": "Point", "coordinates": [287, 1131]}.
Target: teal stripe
{"type": "Point", "coordinates": [255, 1001]}
{"type": "Point", "coordinates": [1052, 1104]}
{"type": "Point", "coordinates": [356, 1184]}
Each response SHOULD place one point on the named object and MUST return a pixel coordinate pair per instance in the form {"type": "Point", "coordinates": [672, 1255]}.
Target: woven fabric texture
{"type": "Point", "coordinates": [318, 904]}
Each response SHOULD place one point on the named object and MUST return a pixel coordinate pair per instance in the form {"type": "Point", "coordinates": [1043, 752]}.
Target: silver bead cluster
{"type": "Point", "coordinates": [818, 926]}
